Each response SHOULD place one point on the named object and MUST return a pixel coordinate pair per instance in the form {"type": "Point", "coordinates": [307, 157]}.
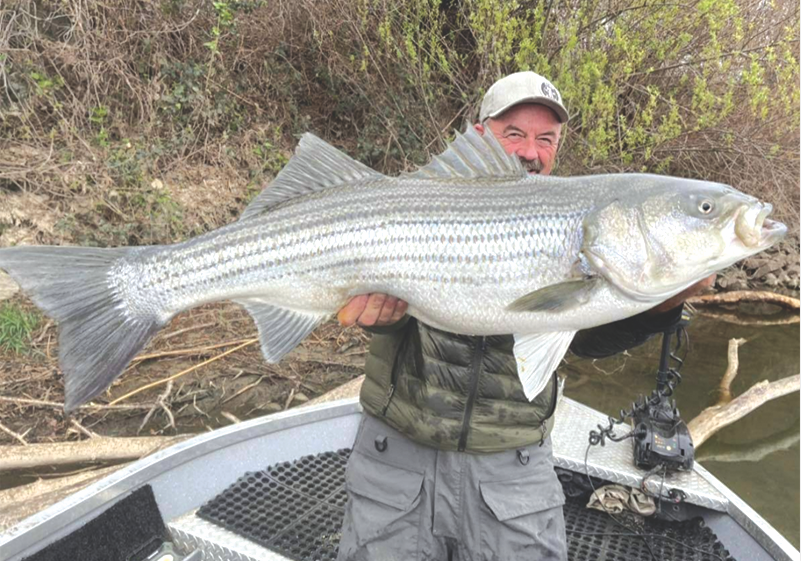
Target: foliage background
{"type": "Point", "coordinates": [127, 122]}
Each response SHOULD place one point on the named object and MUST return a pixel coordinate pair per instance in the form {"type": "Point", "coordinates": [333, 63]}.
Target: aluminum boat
{"type": "Point", "coordinates": [273, 488]}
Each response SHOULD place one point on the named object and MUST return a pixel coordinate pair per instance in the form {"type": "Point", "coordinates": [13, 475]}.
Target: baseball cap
{"type": "Point", "coordinates": [521, 87]}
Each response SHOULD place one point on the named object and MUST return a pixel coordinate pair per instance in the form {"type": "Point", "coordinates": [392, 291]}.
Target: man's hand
{"type": "Point", "coordinates": [372, 309]}
{"type": "Point", "coordinates": [682, 296]}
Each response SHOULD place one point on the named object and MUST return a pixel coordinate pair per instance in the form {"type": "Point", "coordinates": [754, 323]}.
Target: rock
{"type": "Point", "coordinates": [769, 267]}
{"type": "Point", "coordinates": [753, 262]}
{"type": "Point", "coordinates": [271, 407]}
{"type": "Point", "coordinates": [7, 286]}
{"type": "Point", "coordinates": [771, 280]}
{"type": "Point", "coordinates": [300, 397]}
{"type": "Point", "coordinates": [739, 284]}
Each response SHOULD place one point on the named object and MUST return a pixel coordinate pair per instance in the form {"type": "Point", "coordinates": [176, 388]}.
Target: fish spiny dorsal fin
{"type": "Point", "coordinates": [315, 166]}
{"type": "Point", "coordinates": [472, 156]}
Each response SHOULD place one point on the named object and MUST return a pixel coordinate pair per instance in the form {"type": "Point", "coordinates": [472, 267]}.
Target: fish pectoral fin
{"type": "Point", "coordinates": [556, 297]}
{"type": "Point", "coordinates": [280, 330]}
{"type": "Point", "coordinates": [537, 356]}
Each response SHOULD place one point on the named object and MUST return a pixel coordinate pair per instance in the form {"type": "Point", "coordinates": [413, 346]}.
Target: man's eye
{"type": "Point", "coordinates": [514, 135]}
{"type": "Point", "coordinates": [546, 141]}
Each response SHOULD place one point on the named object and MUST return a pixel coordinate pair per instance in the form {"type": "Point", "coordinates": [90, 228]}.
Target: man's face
{"type": "Point", "coordinates": [530, 131]}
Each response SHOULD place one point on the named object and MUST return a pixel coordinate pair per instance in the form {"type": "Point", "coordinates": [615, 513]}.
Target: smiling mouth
{"type": "Point", "coordinates": [531, 166]}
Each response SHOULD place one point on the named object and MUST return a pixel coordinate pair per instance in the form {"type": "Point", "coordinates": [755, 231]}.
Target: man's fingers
{"type": "Point", "coordinates": [371, 312]}
{"type": "Point", "coordinates": [348, 315]}
{"type": "Point", "coordinates": [372, 309]}
{"type": "Point", "coordinates": [400, 310]}
{"type": "Point", "coordinates": [387, 310]}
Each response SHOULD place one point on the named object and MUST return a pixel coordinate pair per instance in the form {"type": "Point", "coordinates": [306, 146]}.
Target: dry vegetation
{"type": "Point", "coordinates": [130, 123]}
{"type": "Point", "coordinates": [237, 387]}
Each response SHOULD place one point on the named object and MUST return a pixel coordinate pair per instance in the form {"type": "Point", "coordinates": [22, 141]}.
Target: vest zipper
{"type": "Point", "coordinates": [551, 409]}
{"type": "Point", "coordinates": [388, 399]}
{"type": "Point", "coordinates": [393, 375]}
{"type": "Point", "coordinates": [554, 396]}
{"type": "Point", "coordinates": [478, 358]}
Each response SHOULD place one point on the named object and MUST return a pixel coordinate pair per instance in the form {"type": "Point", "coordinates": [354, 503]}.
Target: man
{"type": "Point", "coordinates": [451, 461]}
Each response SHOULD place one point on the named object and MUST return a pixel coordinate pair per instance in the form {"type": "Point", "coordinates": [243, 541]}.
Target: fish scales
{"type": "Point", "coordinates": [421, 241]}
{"type": "Point", "coordinates": [471, 242]}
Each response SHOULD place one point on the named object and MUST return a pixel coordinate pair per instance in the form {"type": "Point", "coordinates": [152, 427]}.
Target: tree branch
{"type": "Point", "coordinates": [729, 410]}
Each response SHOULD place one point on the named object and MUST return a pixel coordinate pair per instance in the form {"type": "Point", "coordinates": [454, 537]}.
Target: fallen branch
{"type": "Point", "coordinates": [714, 418]}
{"type": "Point", "coordinates": [83, 429]}
{"type": "Point", "coordinates": [94, 450]}
{"type": "Point", "coordinates": [727, 410]}
{"type": "Point", "coordinates": [746, 296]}
{"type": "Point", "coordinates": [192, 351]}
{"type": "Point", "coordinates": [243, 390]}
{"type": "Point", "coordinates": [183, 372]}
{"type": "Point", "coordinates": [18, 503]}
{"type": "Point", "coordinates": [750, 321]}
{"type": "Point", "coordinates": [732, 367]}
{"type": "Point", "coordinates": [13, 434]}
{"type": "Point", "coordinates": [751, 451]}
{"type": "Point", "coordinates": [42, 403]}
{"type": "Point", "coordinates": [172, 334]}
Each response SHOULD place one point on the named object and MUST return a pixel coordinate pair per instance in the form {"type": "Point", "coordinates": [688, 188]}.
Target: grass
{"type": "Point", "coordinates": [16, 327]}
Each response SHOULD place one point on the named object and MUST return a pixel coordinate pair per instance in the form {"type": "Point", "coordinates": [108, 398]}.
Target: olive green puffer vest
{"type": "Point", "coordinates": [453, 392]}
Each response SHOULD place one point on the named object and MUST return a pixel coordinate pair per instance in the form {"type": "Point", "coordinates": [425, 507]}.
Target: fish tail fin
{"type": "Point", "coordinates": [98, 334]}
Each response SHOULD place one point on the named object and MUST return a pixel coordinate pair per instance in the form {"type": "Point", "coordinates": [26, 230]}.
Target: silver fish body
{"type": "Point", "coordinates": [474, 244]}
{"type": "Point", "coordinates": [458, 253]}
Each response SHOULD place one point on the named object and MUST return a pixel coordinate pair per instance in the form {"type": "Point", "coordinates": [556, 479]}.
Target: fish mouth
{"type": "Point", "coordinates": [754, 229]}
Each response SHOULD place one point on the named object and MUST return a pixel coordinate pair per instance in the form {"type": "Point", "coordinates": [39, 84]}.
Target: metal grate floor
{"type": "Point", "coordinates": [296, 509]}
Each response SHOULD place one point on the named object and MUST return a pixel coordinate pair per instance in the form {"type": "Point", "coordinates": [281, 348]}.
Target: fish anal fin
{"type": "Point", "coordinates": [556, 297]}
{"type": "Point", "coordinates": [537, 356]}
{"type": "Point", "coordinates": [280, 329]}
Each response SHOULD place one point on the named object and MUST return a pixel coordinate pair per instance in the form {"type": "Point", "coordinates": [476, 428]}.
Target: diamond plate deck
{"type": "Point", "coordinates": [217, 544]}
{"type": "Point", "coordinates": [614, 461]}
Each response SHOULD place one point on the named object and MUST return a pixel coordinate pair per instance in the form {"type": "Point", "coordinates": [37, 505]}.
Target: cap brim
{"type": "Point", "coordinates": [557, 108]}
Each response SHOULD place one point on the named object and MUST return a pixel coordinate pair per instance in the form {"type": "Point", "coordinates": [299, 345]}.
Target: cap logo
{"type": "Point", "coordinates": [549, 91]}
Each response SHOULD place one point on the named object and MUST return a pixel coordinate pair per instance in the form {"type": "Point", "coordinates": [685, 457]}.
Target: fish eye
{"type": "Point", "coordinates": [706, 206]}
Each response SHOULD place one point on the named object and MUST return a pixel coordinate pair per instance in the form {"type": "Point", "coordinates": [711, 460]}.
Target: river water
{"type": "Point", "coordinates": [758, 456]}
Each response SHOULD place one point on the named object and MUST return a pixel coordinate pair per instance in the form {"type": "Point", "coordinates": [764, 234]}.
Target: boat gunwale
{"type": "Point", "coordinates": [70, 513]}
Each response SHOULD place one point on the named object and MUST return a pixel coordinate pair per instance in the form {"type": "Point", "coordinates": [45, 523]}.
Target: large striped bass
{"type": "Point", "coordinates": [473, 244]}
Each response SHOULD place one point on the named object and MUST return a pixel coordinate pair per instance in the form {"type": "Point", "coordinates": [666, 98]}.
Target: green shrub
{"type": "Point", "coordinates": [707, 89]}
{"type": "Point", "coordinates": [16, 327]}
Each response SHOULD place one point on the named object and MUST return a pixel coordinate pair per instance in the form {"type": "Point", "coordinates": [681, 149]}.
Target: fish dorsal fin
{"type": "Point", "coordinates": [472, 155]}
{"type": "Point", "coordinates": [316, 165]}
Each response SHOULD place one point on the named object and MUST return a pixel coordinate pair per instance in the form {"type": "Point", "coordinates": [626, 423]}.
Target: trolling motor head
{"type": "Point", "coordinates": [661, 438]}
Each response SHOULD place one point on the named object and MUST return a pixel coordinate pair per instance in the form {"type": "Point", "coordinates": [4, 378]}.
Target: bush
{"type": "Point", "coordinates": [707, 89]}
